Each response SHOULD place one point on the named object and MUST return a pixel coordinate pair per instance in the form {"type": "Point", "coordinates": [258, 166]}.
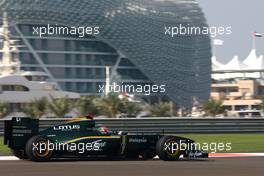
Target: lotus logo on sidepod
{"type": "Point", "coordinates": [66, 127]}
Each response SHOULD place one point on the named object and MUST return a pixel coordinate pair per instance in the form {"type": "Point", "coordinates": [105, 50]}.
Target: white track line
{"type": "Point", "coordinates": [214, 155]}
{"type": "Point", "coordinates": [8, 158]}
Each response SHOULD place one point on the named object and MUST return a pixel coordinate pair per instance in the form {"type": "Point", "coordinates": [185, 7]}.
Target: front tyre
{"type": "Point", "coordinates": [37, 149]}
{"type": "Point", "coordinates": [168, 149]}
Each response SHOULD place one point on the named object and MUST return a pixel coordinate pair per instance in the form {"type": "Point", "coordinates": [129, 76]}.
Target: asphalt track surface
{"type": "Point", "coordinates": [246, 166]}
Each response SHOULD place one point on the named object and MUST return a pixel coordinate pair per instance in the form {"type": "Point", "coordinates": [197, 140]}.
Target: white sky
{"type": "Point", "coordinates": [244, 16]}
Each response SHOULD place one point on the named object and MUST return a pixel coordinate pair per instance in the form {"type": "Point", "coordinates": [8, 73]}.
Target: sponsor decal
{"type": "Point", "coordinates": [137, 140]}
{"type": "Point", "coordinates": [195, 154]}
{"type": "Point", "coordinates": [66, 127]}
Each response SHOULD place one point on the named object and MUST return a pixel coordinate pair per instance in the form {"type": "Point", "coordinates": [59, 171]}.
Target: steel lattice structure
{"type": "Point", "coordinates": [135, 28]}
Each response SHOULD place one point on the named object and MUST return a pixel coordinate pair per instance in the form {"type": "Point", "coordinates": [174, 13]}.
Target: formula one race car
{"type": "Point", "coordinates": [81, 139]}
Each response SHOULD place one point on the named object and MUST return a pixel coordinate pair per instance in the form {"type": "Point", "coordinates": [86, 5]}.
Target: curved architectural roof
{"type": "Point", "coordinates": [235, 64]}
{"type": "Point", "coordinates": [251, 67]}
{"type": "Point", "coordinates": [136, 29]}
{"type": "Point", "coordinates": [252, 63]}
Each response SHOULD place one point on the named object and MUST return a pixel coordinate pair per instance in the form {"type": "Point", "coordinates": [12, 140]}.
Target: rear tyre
{"type": "Point", "coordinates": [37, 149]}
{"type": "Point", "coordinates": [168, 149]}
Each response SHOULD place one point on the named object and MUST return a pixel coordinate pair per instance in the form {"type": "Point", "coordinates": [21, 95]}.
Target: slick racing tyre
{"type": "Point", "coordinates": [37, 149]}
{"type": "Point", "coordinates": [167, 148]}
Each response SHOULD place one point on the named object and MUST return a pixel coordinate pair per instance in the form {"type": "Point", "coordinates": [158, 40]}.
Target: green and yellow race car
{"type": "Point", "coordinates": [80, 138]}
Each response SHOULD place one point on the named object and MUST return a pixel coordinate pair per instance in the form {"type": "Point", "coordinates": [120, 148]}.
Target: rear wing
{"type": "Point", "coordinates": [19, 130]}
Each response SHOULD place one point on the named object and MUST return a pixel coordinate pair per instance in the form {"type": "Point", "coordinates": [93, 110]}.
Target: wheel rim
{"type": "Point", "coordinates": [44, 153]}
{"type": "Point", "coordinates": [169, 150]}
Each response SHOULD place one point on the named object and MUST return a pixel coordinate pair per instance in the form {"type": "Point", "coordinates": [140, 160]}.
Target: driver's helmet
{"type": "Point", "coordinates": [103, 129]}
